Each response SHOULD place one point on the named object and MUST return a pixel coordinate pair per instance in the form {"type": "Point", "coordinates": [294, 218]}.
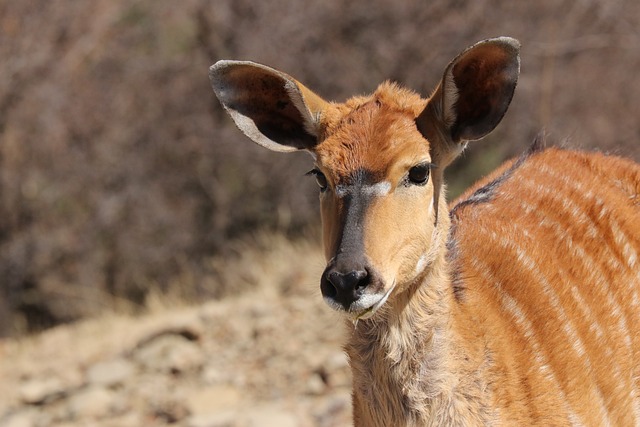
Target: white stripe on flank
{"type": "Point", "coordinates": [560, 228]}
{"type": "Point", "coordinates": [622, 240]}
{"type": "Point", "coordinates": [621, 256]}
{"type": "Point", "coordinates": [589, 263]}
{"type": "Point", "coordinates": [594, 325]}
{"type": "Point", "coordinates": [620, 237]}
{"type": "Point", "coordinates": [620, 380]}
{"type": "Point", "coordinates": [628, 262]}
{"type": "Point", "coordinates": [511, 306]}
{"type": "Point", "coordinates": [567, 325]}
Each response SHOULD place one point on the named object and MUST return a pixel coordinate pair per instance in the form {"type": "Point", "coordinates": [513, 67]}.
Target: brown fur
{"type": "Point", "coordinates": [429, 360]}
{"type": "Point", "coordinates": [523, 306]}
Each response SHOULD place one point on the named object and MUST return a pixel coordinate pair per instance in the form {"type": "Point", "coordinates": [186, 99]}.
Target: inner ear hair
{"type": "Point", "coordinates": [472, 97]}
{"type": "Point", "coordinates": [269, 106]}
{"type": "Point", "coordinates": [485, 78]}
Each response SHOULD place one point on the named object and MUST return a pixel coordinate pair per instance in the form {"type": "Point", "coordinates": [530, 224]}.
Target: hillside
{"type": "Point", "coordinates": [269, 357]}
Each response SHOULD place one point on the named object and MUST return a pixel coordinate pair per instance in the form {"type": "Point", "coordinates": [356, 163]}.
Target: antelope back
{"type": "Point", "coordinates": [545, 256]}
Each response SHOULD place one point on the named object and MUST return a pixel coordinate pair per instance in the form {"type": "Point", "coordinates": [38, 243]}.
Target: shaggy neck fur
{"type": "Point", "coordinates": [410, 366]}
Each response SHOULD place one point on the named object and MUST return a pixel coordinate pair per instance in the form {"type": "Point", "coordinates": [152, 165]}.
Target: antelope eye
{"type": "Point", "coordinates": [321, 180]}
{"type": "Point", "coordinates": [419, 174]}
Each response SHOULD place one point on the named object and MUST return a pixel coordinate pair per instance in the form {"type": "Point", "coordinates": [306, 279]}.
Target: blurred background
{"type": "Point", "coordinates": [126, 191]}
{"type": "Point", "coordinates": [123, 182]}
{"type": "Point", "coordinates": [121, 175]}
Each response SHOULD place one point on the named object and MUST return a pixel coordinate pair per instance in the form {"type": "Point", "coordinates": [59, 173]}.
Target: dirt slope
{"type": "Point", "coordinates": [270, 357]}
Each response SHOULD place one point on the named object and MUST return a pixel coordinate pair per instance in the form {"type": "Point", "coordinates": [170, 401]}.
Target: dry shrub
{"type": "Point", "coordinates": [120, 173]}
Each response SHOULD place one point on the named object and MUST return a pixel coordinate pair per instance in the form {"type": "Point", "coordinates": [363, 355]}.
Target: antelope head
{"type": "Point", "coordinates": [379, 161]}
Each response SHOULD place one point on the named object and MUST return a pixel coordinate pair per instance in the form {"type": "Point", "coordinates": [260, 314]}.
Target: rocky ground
{"type": "Point", "coordinates": [269, 357]}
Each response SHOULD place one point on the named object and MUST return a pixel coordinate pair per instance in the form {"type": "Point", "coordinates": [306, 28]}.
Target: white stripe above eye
{"type": "Point", "coordinates": [381, 188]}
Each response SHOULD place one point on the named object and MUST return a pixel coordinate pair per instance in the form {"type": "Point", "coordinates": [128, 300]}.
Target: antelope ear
{"type": "Point", "coordinates": [269, 106]}
{"type": "Point", "coordinates": [474, 94]}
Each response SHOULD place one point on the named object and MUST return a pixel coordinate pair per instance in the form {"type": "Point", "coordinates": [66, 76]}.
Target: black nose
{"type": "Point", "coordinates": [344, 287]}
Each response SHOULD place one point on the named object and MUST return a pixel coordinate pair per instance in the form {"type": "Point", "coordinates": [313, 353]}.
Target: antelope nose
{"type": "Point", "coordinates": [344, 287]}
